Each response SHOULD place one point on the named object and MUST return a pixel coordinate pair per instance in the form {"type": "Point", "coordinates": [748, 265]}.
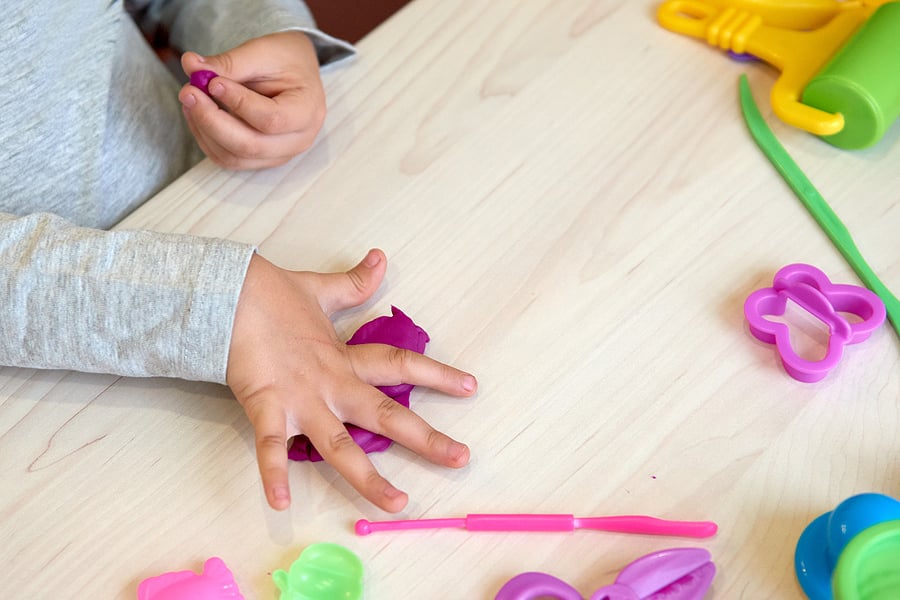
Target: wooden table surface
{"type": "Point", "coordinates": [573, 208]}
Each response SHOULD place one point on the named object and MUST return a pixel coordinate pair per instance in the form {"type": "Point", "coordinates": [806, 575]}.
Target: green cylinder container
{"type": "Point", "coordinates": [862, 81]}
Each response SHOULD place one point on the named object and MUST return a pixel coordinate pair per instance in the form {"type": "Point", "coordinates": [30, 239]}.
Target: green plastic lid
{"type": "Point", "coordinates": [869, 566]}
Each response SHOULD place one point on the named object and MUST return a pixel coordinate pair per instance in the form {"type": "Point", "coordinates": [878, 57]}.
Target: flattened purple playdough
{"type": "Point", "coordinates": [399, 331]}
{"type": "Point", "coordinates": [201, 79]}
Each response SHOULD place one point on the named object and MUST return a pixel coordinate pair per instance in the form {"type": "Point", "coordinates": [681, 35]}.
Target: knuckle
{"type": "Point", "coordinates": [359, 283]}
{"type": "Point", "coordinates": [373, 479]}
{"type": "Point", "coordinates": [400, 358]}
{"type": "Point", "coordinates": [340, 441]}
{"type": "Point", "coordinates": [387, 409]}
{"type": "Point", "coordinates": [447, 373]}
{"type": "Point", "coordinates": [271, 440]}
{"type": "Point", "coordinates": [434, 438]}
{"type": "Point", "coordinates": [273, 122]}
{"type": "Point", "coordinates": [235, 101]}
{"type": "Point", "coordinates": [226, 62]}
{"type": "Point", "coordinates": [253, 401]}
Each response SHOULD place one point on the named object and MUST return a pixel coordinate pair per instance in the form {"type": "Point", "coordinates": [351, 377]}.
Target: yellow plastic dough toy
{"type": "Point", "coordinates": [829, 55]}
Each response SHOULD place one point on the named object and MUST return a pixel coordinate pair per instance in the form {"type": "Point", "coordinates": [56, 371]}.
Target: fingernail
{"type": "Point", "coordinates": [189, 101]}
{"type": "Point", "coordinates": [281, 494]}
{"type": "Point", "coordinates": [201, 58]}
{"type": "Point", "coordinates": [458, 453]}
{"type": "Point", "coordinates": [469, 384]}
{"type": "Point", "coordinates": [216, 89]}
{"type": "Point", "coordinates": [392, 492]}
{"type": "Point", "coordinates": [372, 258]}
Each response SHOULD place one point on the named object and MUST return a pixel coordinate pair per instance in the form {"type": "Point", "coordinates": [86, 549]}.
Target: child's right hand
{"type": "Point", "coordinates": [271, 103]}
{"type": "Point", "coordinates": [292, 375]}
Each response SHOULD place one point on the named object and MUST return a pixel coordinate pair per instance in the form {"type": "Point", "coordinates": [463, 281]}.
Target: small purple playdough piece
{"type": "Point", "coordinates": [741, 57]}
{"type": "Point", "coordinates": [215, 583]}
{"type": "Point", "coordinates": [201, 79]}
{"type": "Point", "coordinates": [399, 331]}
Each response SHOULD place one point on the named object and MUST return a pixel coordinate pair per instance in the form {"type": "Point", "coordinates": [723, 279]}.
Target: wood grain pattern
{"type": "Point", "coordinates": [574, 211]}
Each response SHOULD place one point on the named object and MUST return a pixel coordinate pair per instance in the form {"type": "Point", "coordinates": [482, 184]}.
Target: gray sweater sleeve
{"type": "Point", "coordinates": [92, 128]}
{"type": "Point", "coordinates": [134, 303]}
{"type": "Point", "coordinates": [214, 26]}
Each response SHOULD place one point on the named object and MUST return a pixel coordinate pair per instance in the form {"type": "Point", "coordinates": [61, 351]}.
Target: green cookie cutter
{"type": "Point", "coordinates": [323, 571]}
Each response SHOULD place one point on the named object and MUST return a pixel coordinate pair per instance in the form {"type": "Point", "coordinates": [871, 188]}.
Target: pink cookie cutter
{"type": "Point", "coordinates": [215, 583]}
{"type": "Point", "coordinates": [674, 574]}
{"type": "Point", "coordinates": [811, 289]}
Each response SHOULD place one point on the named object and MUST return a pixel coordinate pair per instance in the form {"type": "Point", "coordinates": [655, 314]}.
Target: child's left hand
{"type": "Point", "coordinates": [271, 104]}
{"type": "Point", "coordinates": [292, 375]}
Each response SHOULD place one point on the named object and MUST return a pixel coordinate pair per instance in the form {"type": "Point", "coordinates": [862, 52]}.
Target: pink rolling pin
{"type": "Point", "coordinates": [532, 522]}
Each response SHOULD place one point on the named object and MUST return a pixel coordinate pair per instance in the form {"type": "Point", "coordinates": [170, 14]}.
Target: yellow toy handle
{"type": "Point", "coordinates": [682, 16]}
{"type": "Point", "coordinates": [796, 37]}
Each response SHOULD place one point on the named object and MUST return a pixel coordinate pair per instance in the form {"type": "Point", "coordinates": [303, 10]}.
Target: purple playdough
{"type": "Point", "coordinates": [201, 79]}
{"type": "Point", "coordinates": [399, 331]}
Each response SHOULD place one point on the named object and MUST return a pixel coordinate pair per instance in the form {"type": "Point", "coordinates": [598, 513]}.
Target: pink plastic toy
{"type": "Point", "coordinates": [811, 289]}
{"type": "Point", "coordinates": [675, 574]}
{"type": "Point", "coordinates": [215, 583]}
{"type": "Point", "coordinates": [399, 331]}
{"type": "Point", "coordinates": [552, 522]}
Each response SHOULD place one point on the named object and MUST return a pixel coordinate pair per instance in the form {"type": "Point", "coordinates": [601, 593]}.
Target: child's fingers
{"type": "Point", "coordinates": [260, 59]}
{"type": "Point", "coordinates": [271, 451]}
{"type": "Point", "coordinates": [338, 448]}
{"type": "Point", "coordinates": [380, 364]}
{"type": "Point", "coordinates": [294, 110]}
{"type": "Point", "coordinates": [339, 291]}
{"type": "Point", "coordinates": [376, 412]}
{"type": "Point", "coordinates": [225, 159]}
{"type": "Point", "coordinates": [238, 63]}
{"type": "Point", "coordinates": [229, 141]}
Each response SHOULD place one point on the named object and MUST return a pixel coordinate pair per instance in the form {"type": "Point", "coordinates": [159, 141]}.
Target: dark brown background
{"type": "Point", "coordinates": [352, 19]}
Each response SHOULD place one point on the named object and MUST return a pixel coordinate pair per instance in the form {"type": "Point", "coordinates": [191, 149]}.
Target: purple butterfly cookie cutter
{"type": "Point", "coordinates": [674, 574]}
{"type": "Point", "coordinates": [811, 289]}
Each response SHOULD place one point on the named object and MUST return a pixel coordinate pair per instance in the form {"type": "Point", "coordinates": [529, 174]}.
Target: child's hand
{"type": "Point", "coordinates": [271, 101]}
{"type": "Point", "coordinates": [293, 375]}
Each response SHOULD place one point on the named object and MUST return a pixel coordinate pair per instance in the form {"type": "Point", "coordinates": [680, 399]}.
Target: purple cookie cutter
{"type": "Point", "coordinates": [811, 289]}
{"type": "Point", "coordinates": [399, 331]}
{"type": "Point", "coordinates": [674, 574]}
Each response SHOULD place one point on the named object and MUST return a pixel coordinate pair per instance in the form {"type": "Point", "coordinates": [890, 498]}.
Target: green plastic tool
{"type": "Point", "coordinates": [814, 202]}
